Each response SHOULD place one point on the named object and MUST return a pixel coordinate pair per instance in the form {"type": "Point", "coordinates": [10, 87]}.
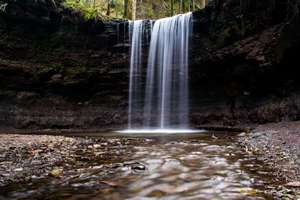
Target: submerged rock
{"type": "Point", "coordinates": [138, 167]}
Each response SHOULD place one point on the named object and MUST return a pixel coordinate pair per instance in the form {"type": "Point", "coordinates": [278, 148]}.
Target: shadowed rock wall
{"type": "Point", "coordinates": [244, 63]}
{"type": "Point", "coordinates": [59, 70]}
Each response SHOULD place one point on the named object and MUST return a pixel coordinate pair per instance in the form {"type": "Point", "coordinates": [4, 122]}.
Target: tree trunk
{"type": "Point", "coordinates": [133, 12]}
{"type": "Point", "coordinates": [172, 7]}
{"type": "Point", "coordinates": [203, 3]}
{"type": "Point", "coordinates": [193, 5]}
{"type": "Point", "coordinates": [108, 8]}
{"type": "Point", "coordinates": [125, 9]}
{"type": "Point", "coordinates": [182, 6]}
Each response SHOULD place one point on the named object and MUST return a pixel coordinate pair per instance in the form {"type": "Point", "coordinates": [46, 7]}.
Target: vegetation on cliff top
{"type": "Point", "coordinates": [133, 9]}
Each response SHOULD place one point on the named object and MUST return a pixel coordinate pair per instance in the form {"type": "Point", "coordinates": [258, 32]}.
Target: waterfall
{"type": "Point", "coordinates": [136, 29]}
{"type": "Point", "coordinates": [163, 97]}
{"type": "Point", "coordinates": [166, 98]}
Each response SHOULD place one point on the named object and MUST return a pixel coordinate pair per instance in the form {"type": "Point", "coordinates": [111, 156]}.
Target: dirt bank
{"type": "Point", "coordinates": [31, 157]}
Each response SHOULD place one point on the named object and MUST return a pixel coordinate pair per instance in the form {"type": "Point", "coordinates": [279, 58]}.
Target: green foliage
{"type": "Point", "coordinates": [151, 9]}
{"type": "Point", "coordinates": [83, 6]}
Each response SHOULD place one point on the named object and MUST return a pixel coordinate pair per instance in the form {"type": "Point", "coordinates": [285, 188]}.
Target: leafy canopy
{"type": "Point", "coordinates": [134, 9]}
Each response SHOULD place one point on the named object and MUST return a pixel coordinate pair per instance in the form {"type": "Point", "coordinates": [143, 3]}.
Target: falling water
{"type": "Point", "coordinates": [136, 29]}
{"type": "Point", "coordinates": [165, 101]}
{"type": "Point", "coordinates": [166, 98]}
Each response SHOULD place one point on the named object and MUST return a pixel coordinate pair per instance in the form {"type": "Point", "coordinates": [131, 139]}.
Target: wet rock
{"type": "Point", "coordinates": [97, 146]}
{"type": "Point", "coordinates": [56, 78]}
{"type": "Point", "coordinates": [242, 134]}
{"type": "Point", "coordinates": [295, 184]}
{"type": "Point", "coordinates": [138, 167]}
{"type": "Point", "coordinates": [18, 169]}
{"type": "Point", "coordinates": [34, 177]}
{"type": "Point", "coordinates": [110, 183]}
{"type": "Point", "coordinates": [26, 96]}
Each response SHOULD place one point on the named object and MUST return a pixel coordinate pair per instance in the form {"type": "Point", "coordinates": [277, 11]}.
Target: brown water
{"type": "Point", "coordinates": [204, 166]}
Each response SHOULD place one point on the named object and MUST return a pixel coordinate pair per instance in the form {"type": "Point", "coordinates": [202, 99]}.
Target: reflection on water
{"type": "Point", "coordinates": [179, 167]}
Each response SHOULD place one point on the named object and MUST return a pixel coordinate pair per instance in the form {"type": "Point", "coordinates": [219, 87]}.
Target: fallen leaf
{"type": "Point", "coordinates": [110, 183]}
{"type": "Point", "coordinates": [56, 172]}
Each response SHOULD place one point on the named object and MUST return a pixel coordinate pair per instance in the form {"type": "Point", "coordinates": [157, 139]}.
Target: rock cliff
{"type": "Point", "coordinates": [60, 70]}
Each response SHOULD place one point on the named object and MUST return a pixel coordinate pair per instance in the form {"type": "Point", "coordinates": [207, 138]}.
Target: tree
{"type": "Point", "coordinates": [125, 13]}
{"type": "Point", "coordinates": [203, 3]}
{"type": "Point", "coordinates": [108, 8]}
{"type": "Point", "coordinates": [133, 12]}
{"type": "Point", "coordinates": [172, 7]}
{"type": "Point", "coordinates": [133, 9]}
{"type": "Point", "coordinates": [180, 6]}
{"type": "Point", "coordinates": [192, 6]}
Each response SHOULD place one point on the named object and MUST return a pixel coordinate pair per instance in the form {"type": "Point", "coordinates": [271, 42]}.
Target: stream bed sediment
{"type": "Point", "coordinates": [212, 165]}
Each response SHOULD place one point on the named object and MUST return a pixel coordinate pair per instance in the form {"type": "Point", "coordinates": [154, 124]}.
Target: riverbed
{"type": "Point", "coordinates": [205, 165]}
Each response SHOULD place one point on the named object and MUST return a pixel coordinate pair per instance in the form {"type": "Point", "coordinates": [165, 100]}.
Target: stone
{"type": "Point", "coordinates": [97, 146]}
{"type": "Point", "coordinates": [56, 78]}
{"type": "Point", "coordinates": [25, 96]}
{"type": "Point", "coordinates": [18, 169]}
{"type": "Point", "coordinates": [138, 167]}
{"type": "Point", "coordinates": [295, 184]}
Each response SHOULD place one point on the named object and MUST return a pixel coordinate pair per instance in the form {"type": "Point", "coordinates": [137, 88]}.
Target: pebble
{"type": "Point", "coordinates": [242, 134]}
{"type": "Point", "coordinates": [18, 169]}
{"type": "Point", "coordinates": [97, 146]}
{"type": "Point", "coordinates": [34, 177]}
{"type": "Point", "coordinates": [293, 184]}
{"type": "Point", "coordinates": [138, 167]}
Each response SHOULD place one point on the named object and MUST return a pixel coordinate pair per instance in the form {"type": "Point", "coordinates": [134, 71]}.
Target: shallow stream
{"type": "Point", "coordinates": [186, 166]}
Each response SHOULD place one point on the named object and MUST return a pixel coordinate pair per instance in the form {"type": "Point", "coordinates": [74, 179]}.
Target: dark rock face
{"type": "Point", "coordinates": [243, 69]}
{"type": "Point", "coordinates": [63, 72]}
{"type": "Point", "coordinates": [59, 70]}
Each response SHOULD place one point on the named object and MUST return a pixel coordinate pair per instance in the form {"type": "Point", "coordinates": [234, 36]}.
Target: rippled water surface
{"type": "Point", "coordinates": [187, 166]}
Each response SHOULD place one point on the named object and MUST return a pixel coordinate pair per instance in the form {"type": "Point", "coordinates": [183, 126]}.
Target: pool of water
{"type": "Point", "coordinates": [174, 166]}
{"type": "Point", "coordinates": [159, 131]}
